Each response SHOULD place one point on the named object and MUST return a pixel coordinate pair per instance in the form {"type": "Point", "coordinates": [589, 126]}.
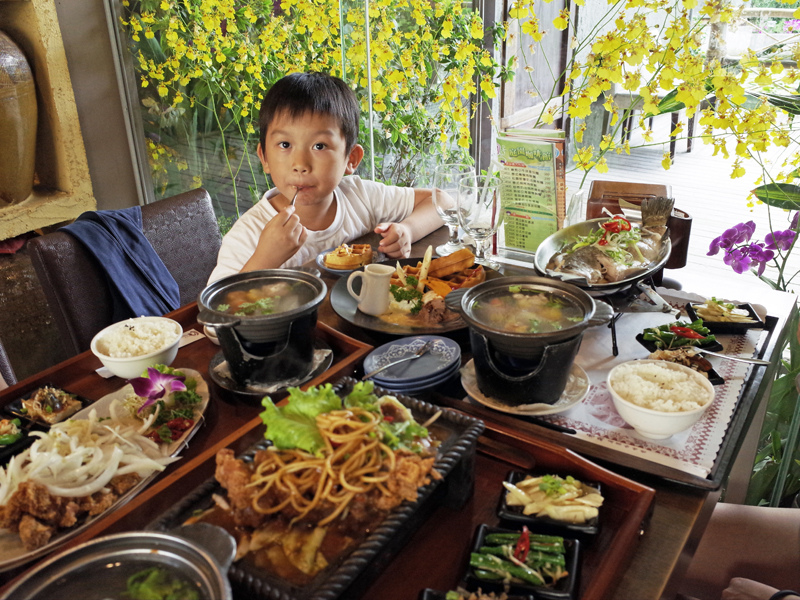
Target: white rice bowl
{"type": "Point", "coordinates": [127, 348]}
{"type": "Point", "coordinates": [137, 337]}
{"type": "Point", "coordinates": [659, 398]}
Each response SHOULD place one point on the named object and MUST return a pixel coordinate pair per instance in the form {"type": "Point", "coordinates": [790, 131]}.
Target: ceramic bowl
{"type": "Point", "coordinates": [133, 366]}
{"type": "Point", "coordinates": [660, 424]}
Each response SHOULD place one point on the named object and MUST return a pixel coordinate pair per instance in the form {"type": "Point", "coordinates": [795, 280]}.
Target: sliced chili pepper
{"type": "Point", "coordinates": [523, 545]}
{"type": "Point", "coordinates": [178, 425]}
{"type": "Point", "coordinates": [617, 224]}
{"type": "Point", "coordinates": [686, 332]}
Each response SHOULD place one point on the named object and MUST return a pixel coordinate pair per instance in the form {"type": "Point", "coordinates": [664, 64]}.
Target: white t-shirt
{"type": "Point", "coordinates": [360, 206]}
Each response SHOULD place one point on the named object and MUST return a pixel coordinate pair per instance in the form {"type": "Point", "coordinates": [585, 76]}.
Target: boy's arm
{"type": "Point", "coordinates": [281, 238]}
{"type": "Point", "coordinates": [398, 237]}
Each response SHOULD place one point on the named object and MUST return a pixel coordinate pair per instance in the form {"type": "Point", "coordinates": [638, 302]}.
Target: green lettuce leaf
{"type": "Point", "coordinates": [294, 425]}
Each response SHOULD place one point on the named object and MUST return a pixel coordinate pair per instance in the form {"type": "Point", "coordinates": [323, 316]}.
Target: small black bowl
{"type": "Point", "coordinates": [564, 589]}
{"type": "Point", "coordinates": [514, 514]}
{"type": "Point", "coordinates": [16, 408]}
{"type": "Point", "coordinates": [727, 327]}
{"type": "Point", "coordinates": [429, 594]}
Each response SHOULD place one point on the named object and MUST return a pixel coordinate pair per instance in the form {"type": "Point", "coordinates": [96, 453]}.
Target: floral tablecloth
{"type": "Point", "coordinates": [595, 418]}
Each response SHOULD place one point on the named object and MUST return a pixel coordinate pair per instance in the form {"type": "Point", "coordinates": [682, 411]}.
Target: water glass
{"type": "Point", "coordinates": [445, 199]}
{"type": "Point", "coordinates": [480, 211]}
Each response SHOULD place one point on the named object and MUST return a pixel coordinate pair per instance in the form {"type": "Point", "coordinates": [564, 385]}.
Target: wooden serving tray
{"type": "Point", "coordinates": [228, 423]}
{"type": "Point", "coordinates": [439, 552]}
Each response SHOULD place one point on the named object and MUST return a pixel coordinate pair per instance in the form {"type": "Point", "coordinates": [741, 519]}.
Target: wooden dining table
{"type": "Point", "coordinates": [643, 554]}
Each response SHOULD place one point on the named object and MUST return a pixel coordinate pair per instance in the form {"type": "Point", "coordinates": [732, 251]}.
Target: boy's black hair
{"type": "Point", "coordinates": [315, 93]}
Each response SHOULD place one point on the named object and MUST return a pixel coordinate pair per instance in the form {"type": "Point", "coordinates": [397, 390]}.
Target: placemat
{"type": "Point", "coordinates": [596, 420]}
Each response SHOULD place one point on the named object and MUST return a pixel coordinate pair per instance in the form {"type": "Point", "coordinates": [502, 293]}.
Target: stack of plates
{"type": "Point", "coordinates": [433, 368]}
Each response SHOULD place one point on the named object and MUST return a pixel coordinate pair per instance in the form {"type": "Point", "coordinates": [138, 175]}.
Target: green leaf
{"type": "Point", "coordinates": [790, 104]}
{"type": "Point", "coordinates": [668, 104]}
{"type": "Point", "coordinates": [294, 425]}
{"type": "Point", "coordinates": [779, 195]}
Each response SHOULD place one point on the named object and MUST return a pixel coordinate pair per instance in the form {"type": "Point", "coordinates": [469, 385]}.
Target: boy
{"type": "Point", "coordinates": [309, 127]}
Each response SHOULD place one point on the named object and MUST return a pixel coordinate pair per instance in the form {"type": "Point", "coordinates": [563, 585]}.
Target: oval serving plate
{"type": "Point", "coordinates": [347, 307]}
{"type": "Point", "coordinates": [12, 552]}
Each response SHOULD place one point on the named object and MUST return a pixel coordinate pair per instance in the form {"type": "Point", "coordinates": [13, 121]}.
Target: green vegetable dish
{"type": "Point", "coordinates": [679, 333]}
{"type": "Point", "coordinates": [10, 431]}
{"type": "Point", "coordinates": [157, 583]}
{"type": "Point", "coordinates": [521, 558]}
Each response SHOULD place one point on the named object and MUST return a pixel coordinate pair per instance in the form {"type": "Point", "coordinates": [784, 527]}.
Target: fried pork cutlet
{"type": "Point", "coordinates": [37, 515]}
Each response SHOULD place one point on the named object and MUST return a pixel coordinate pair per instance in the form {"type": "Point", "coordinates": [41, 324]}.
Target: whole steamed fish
{"type": "Point", "coordinates": [617, 250]}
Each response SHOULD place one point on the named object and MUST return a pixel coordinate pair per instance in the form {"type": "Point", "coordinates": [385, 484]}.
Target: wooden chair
{"type": "Point", "coordinates": [184, 232]}
{"type": "Point", "coordinates": [615, 195]}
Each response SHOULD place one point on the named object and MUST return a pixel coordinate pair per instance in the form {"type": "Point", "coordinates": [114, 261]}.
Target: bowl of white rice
{"type": "Point", "coordinates": [127, 348]}
{"type": "Point", "coordinates": [659, 398]}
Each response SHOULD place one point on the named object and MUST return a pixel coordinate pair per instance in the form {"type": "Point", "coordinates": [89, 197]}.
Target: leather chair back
{"type": "Point", "coordinates": [184, 232]}
{"type": "Point", "coordinates": [5, 368]}
{"type": "Point", "coordinates": [610, 194]}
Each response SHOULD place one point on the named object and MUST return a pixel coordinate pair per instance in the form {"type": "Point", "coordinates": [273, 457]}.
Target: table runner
{"type": "Point", "coordinates": [596, 420]}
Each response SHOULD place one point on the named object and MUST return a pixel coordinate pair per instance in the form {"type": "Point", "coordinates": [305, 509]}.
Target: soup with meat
{"type": "Point", "coordinates": [266, 299]}
{"type": "Point", "coordinates": [517, 309]}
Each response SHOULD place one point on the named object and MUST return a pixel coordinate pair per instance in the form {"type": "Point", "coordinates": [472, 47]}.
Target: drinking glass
{"type": "Point", "coordinates": [480, 211]}
{"type": "Point", "coordinates": [445, 199]}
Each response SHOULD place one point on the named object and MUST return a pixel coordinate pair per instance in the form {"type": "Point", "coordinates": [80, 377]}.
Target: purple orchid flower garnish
{"type": "Point", "coordinates": [780, 240]}
{"type": "Point", "coordinates": [155, 386]}
{"type": "Point", "coordinates": [738, 234]}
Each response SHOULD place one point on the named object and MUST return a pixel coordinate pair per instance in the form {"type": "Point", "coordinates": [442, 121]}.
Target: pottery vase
{"type": "Point", "coordinates": [18, 115]}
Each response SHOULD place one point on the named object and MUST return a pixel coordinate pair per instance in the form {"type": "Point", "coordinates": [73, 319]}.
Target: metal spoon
{"type": "Point", "coordinates": [754, 361]}
{"type": "Point", "coordinates": [296, 191]}
{"type": "Point", "coordinates": [422, 350]}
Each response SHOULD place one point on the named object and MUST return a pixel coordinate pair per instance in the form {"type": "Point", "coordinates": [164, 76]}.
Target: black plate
{"type": "Point", "coordinates": [455, 462]}
{"type": "Point", "coordinates": [429, 594]}
{"type": "Point", "coordinates": [725, 327]}
{"type": "Point", "coordinates": [376, 258]}
{"type": "Point", "coordinates": [564, 589]}
{"type": "Point", "coordinates": [247, 393]}
{"type": "Point", "coordinates": [15, 407]}
{"type": "Point", "coordinates": [651, 346]}
{"type": "Point", "coordinates": [544, 524]}
{"type": "Point", "coordinates": [714, 377]}
{"type": "Point", "coordinates": [9, 450]}
{"type": "Point", "coordinates": [347, 307]}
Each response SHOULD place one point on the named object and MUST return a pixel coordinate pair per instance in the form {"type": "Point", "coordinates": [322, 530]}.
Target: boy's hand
{"type": "Point", "coordinates": [282, 237]}
{"type": "Point", "coordinates": [396, 242]}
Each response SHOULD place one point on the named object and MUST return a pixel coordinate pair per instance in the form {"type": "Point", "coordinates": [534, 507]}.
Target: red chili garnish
{"type": "Point", "coordinates": [616, 224]}
{"type": "Point", "coordinates": [523, 545]}
{"type": "Point", "coordinates": [686, 332]}
{"type": "Point", "coordinates": [388, 418]}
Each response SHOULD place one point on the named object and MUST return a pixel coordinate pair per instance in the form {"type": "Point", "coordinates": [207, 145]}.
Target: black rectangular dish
{"type": "Point", "coordinates": [565, 588]}
{"type": "Point", "coordinates": [651, 346]}
{"type": "Point", "coordinates": [13, 448]}
{"type": "Point", "coordinates": [728, 327]}
{"type": "Point", "coordinates": [429, 594]}
{"type": "Point", "coordinates": [514, 514]}
{"type": "Point", "coordinates": [457, 433]}
{"type": "Point", "coordinates": [17, 409]}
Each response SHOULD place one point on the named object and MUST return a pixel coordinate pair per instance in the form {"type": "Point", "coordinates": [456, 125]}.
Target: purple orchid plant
{"type": "Point", "coordinates": [743, 255]}
{"type": "Point", "coordinates": [155, 386]}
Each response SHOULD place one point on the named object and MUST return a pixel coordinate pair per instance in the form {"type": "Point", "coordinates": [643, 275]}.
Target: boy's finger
{"type": "Point", "coordinates": [382, 227]}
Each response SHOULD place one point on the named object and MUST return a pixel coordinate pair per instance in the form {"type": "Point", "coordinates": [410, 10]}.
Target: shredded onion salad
{"type": "Point", "coordinates": [77, 458]}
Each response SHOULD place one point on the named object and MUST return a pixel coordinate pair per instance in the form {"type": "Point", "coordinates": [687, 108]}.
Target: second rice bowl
{"type": "Point", "coordinates": [658, 398]}
{"type": "Point", "coordinates": [128, 347]}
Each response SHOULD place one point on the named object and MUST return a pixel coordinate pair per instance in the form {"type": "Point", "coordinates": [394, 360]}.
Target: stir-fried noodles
{"type": "Point", "coordinates": [354, 461]}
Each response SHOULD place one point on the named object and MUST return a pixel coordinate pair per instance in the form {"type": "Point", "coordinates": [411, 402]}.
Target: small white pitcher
{"type": "Point", "coordinates": [374, 298]}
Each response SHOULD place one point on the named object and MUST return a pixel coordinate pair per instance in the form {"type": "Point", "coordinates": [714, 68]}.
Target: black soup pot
{"type": "Point", "coordinates": [525, 333]}
{"type": "Point", "coordinates": [265, 348]}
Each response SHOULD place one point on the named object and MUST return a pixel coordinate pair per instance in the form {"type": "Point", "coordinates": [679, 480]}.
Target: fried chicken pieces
{"type": "Point", "coordinates": [411, 472]}
{"type": "Point", "coordinates": [37, 515]}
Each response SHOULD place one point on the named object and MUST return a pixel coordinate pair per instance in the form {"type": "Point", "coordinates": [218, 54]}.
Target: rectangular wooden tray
{"type": "Point", "coordinates": [749, 397]}
{"type": "Point", "coordinates": [228, 423]}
